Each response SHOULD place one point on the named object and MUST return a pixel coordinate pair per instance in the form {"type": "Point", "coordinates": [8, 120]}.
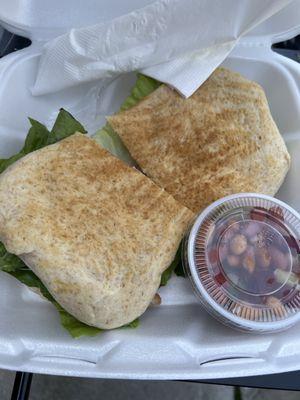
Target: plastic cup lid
{"type": "Point", "coordinates": [243, 254]}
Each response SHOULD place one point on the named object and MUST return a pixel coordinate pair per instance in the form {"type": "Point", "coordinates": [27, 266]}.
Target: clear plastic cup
{"type": "Point", "coordinates": [242, 257]}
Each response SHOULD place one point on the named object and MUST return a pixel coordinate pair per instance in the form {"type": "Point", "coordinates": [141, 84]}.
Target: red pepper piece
{"type": "Point", "coordinates": [220, 279]}
{"type": "Point", "coordinates": [277, 212]}
{"type": "Point", "coordinates": [271, 280]}
{"type": "Point", "coordinates": [213, 256]}
{"type": "Point", "coordinates": [258, 213]}
{"type": "Point", "coordinates": [292, 242]}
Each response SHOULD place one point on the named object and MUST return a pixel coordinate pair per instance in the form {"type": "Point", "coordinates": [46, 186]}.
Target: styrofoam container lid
{"type": "Point", "coordinates": [41, 20]}
{"type": "Point", "coordinates": [243, 260]}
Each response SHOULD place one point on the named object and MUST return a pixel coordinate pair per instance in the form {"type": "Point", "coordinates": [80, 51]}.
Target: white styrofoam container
{"type": "Point", "coordinates": [177, 340]}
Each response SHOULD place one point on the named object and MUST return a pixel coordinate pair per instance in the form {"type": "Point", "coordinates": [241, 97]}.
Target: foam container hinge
{"type": "Point", "coordinates": [177, 340]}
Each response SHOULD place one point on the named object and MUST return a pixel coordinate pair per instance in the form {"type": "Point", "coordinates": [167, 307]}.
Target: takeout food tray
{"type": "Point", "coordinates": [177, 340]}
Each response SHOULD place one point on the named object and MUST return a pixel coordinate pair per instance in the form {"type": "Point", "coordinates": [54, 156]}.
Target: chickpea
{"type": "Point", "coordinates": [279, 259]}
{"type": "Point", "coordinates": [233, 260]}
{"type": "Point", "coordinates": [249, 260]}
{"type": "Point", "coordinates": [238, 244]}
{"type": "Point", "coordinates": [263, 257]}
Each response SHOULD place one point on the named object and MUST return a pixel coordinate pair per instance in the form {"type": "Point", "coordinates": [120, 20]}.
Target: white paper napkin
{"type": "Point", "coordinates": [179, 42]}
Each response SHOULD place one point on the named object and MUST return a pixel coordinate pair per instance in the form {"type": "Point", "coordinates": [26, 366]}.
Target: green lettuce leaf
{"type": "Point", "coordinates": [112, 142]}
{"type": "Point", "coordinates": [107, 137]}
{"type": "Point", "coordinates": [144, 86]}
{"type": "Point", "coordinates": [176, 267]}
{"type": "Point", "coordinates": [75, 327]}
{"type": "Point", "coordinates": [179, 270]}
{"type": "Point", "coordinates": [166, 275]}
{"type": "Point", "coordinates": [38, 136]}
{"type": "Point", "coordinates": [9, 262]}
{"type": "Point", "coordinates": [64, 126]}
{"type": "Point", "coordinates": [134, 324]}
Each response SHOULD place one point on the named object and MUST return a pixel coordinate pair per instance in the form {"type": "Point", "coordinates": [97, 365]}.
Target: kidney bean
{"type": "Point", "coordinates": [277, 212]}
{"type": "Point", "coordinates": [258, 213]}
{"type": "Point", "coordinates": [233, 260]}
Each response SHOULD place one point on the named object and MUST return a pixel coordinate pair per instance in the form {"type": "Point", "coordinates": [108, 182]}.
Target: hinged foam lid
{"type": "Point", "coordinates": [41, 20]}
{"type": "Point", "coordinates": [282, 26]}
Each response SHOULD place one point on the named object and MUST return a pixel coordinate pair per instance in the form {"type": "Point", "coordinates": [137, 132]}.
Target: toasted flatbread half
{"type": "Point", "coordinates": [97, 233]}
{"type": "Point", "coordinates": [222, 140]}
